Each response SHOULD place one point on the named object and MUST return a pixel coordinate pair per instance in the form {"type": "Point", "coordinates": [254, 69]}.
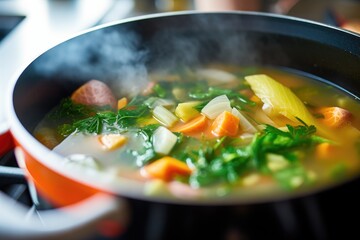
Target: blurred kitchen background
{"type": "Point", "coordinates": [29, 27]}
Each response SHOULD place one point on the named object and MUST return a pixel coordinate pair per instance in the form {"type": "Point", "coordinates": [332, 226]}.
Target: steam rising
{"type": "Point", "coordinates": [123, 57]}
{"type": "Point", "coordinates": [112, 56]}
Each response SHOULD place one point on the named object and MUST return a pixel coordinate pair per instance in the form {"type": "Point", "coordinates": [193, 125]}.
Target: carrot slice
{"type": "Point", "coordinates": [226, 124]}
{"type": "Point", "coordinates": [334, 116]}
{"type": "Point", "coordinates": [94, 93]}
{"type": "Point", "coordinates": [166, 168]}
{"type": "Point", "coordinates": [195, 125]}
{"type": "Point", "coordinates": [122, 103]}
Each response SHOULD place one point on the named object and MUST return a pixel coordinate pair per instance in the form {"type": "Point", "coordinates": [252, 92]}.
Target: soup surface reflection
{"type": "Point", "coordinates": [213, 131]}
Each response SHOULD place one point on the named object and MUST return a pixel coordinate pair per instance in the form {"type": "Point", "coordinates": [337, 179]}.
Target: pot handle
{"type": "Point", "coordinates": [72, 222]}
{"type": "Point", "coordinates": [101, 212]}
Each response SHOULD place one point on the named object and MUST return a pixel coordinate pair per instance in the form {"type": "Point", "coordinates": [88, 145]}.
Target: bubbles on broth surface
{"type": "Point", "coordinates": [283, 157]}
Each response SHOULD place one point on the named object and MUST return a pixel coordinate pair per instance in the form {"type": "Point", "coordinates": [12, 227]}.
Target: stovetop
{"type": "Point", "coordinates": [12, 180]}
{"type": "Point", "coordinates": [24, 195]}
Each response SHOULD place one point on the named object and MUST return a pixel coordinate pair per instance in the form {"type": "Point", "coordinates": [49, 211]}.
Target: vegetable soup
{"type": "Point", "coordinates": [212, 131]}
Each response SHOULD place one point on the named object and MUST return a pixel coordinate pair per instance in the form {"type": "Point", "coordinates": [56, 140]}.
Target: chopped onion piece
{"type": "Point", "coordinates": [216, 106]}
{"type": "Point", "coordinates": [163, 140]}
{"type": "Point", "coordinates": [215, 76]}
{"type": "Point", "coordinates": [246, 126]}
{"type": "Point", "coordinates": [261, 117]}
{"type": "Point", "coordinates": [164, 116]}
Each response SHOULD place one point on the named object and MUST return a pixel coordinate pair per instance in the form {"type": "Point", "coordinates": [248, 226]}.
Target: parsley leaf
{"type": "Point", "coordinates": [216, 163]}
{"type": "Point", "coordinates": [70, 110]}
{"type": "Point", "coordinates": [108, 121]}
{"type": "Point", "coordinates": [93, 125]}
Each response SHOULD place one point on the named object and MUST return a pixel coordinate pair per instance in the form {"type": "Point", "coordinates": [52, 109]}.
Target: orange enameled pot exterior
{"type": "Point", "coordinates": [58, 189]}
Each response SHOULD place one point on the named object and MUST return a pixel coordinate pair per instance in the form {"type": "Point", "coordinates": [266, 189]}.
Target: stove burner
{"type": "Point", "coordinates": [12, 180]}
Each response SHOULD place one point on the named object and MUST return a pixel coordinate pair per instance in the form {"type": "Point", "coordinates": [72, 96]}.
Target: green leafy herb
{"type": "Point", "coordinates": [211, 92]}
{"type": "Point", "coordinates": [159, 90]}
{"type": "Point", "coordinates": [285, 143]}
{"type": "Point", "coordinates": [128, 116]}
{"type": "Point", "coordinates": [230, 164]}
{"type": "Point", "coordinates": [108, 121]}
{"type": "Point", "coordinates": [201, 105]}
{"type": "Point", "coordinates": [216, 163]}
{"type": "Point", "coordinates": [70, 110]}
{"type": "Point", "coordinates": [93, 125]}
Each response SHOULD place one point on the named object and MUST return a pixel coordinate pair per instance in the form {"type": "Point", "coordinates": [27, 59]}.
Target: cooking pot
{"type": "Point", "coordinates": [121, 54]}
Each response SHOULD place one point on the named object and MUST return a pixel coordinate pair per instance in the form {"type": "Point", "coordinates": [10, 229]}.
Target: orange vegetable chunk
{"type": "Point", "coordinates": [95, 93]}
{"type": "Point", "coordinates": [122, 103]}
{"type": "Point", "coordinates": [226, 124]}
{"type": "Point", "coordinates": [112, 141]}
{"type": "Point", "coordinates": [335, 116]}
{"type": "Point", "coordinates": [324, 150]}
{"type": "Point", "coordinates": [166, 168]}
{"type": "Point", "coordinates": [195, 125]}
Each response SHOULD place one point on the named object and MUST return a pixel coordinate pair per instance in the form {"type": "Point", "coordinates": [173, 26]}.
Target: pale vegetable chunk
{"type": "Point", "coordinates": [164, 116]}
{"type": "Point", "coordinates": [186, 111]}
{"type": "Point", "coordinates": [216, 76]}
{"type": "Point", "coordinates": [279, 99]}
{"type": "Point", "coordinates": [246, 126]}
{"type": "Point", "coordinates": [163, 140]}
{"type": "Point", "coordinates": [216, 106]}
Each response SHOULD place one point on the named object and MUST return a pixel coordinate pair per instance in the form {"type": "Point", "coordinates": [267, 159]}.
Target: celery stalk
{"type": "Point", "coordinates": [164, 116]}
{"type": "Point", "coordinates": [279, 99]}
